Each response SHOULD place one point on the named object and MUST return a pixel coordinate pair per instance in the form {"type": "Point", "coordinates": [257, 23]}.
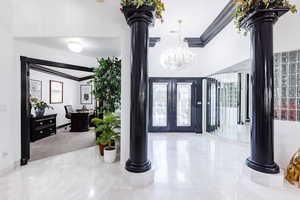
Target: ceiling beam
{"type": "Point", "coordinates": [55, 64]}
{"type": "Point", "coordinates": [86, 78]}
{"type": "Point", "coordinates": [52, 72]}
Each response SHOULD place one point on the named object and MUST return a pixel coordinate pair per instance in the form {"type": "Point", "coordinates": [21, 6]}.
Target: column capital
{"type": "Point", "coordinates": [263, 15]}
{"type": "Point", "coordinates": [142, 14]}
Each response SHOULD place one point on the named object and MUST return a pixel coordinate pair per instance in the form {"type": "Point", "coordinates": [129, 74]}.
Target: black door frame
{"type": "Point", "coordinates": [25, 110]}
{"type": "Point", "coordinates": [239, 99]}
{"type": "Point", "coordinates": [209, 127]}
{"type": "Point", "coordinates": [172, 100]}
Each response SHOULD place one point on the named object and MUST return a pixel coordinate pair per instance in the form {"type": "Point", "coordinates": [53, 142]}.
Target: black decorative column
{"type": "Point", "coordinates": [139, 20]}
{"type": "Point", "coordinates": [260, 24]}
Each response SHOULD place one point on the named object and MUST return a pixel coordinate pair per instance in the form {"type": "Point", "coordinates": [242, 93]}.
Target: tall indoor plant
{"type": "Point", "coordinates": [107, 84]}
{"type": "Point", "coordinates": [246, 7]}
{"type": "Point", "coordinates": [107, 91]}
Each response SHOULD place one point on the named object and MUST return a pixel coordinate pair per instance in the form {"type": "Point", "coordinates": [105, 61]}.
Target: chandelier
{"type": "Point", "coordinates": [178, 54]}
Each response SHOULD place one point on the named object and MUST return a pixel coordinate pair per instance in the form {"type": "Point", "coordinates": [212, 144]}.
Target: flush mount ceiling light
{"type": "Point", "coordinates": [177, 55]}
{"type": "Point", "coordinates": [75, 46]}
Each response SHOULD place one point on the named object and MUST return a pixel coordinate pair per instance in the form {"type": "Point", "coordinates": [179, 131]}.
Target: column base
{"type": "Point", "coordinates": [138, 180]}
{"type": "Point", "coordinates": [138, 167]}
{"type": "Point", "coordinates": [268, 169]}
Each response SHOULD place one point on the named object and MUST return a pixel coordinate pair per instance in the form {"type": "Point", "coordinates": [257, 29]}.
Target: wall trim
{"type": "Point", "coordinates": [63, 125]}
{"type": "Point", "coordinates": [7, 170]}
{"type": "Point", "coordinates": [221, 21]}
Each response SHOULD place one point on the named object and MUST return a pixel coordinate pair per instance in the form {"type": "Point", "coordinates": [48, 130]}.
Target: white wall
{"type": "Point", "coordinates": [125, 95]}
{"type": "Point", "coordinates": [70, 95]}
{"type": "Point", "coordinates": [7, 118]}
{"type": "Point", "coordinates": [67, 18]}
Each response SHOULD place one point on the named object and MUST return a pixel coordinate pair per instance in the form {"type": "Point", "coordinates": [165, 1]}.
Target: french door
{"type": "Point", "coordinates": [212, 108]}
{"type": "Point", "coordinates": [175, 105]}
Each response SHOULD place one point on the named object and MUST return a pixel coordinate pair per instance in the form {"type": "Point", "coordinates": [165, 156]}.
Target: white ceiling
{"type": "Point", "coordinates": [195, 14]}
{"type": "Point", "coordinates": [92, 46]}
{"type": "Point", "coordinates": [106, 19]}
{"type": "Point", "coordinates": [76, 73]}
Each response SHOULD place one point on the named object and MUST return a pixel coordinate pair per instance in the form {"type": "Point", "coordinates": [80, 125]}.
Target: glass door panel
{"type": "Point", "coordinates": [160, 104]}
{"type": "Point", "coordinates": [184, 105]}
{"type": "Point", "coordinates": [213, 104]}
{"type": "Point", "coordinates": [211, 111]}
{"type": "Point", "coordinates": [175, 105]}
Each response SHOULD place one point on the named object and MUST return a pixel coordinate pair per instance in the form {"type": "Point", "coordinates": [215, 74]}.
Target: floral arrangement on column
{"type": "Point", "coordinates": [157, 4]}
{"type": "Point", "coordinates": [245, 7]}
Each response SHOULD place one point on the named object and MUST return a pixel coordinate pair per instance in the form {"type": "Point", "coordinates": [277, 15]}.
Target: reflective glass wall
{"type": "Point", "coordinates": [232, 94]}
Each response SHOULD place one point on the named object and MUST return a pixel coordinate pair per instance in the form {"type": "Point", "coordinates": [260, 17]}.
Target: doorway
{"type": "Point", "coordinates": [175, 105]}
{"type": "Point", "coordinates": [26, 118]}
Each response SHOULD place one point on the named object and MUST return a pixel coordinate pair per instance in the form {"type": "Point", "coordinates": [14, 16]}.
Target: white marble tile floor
{"type": "Point", "coordinates": [187, 167]}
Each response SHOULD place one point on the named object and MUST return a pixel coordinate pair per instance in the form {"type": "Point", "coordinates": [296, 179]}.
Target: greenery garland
{"type": "Point", "coordinates": [246, 7]}
{"type": "Point", "coordinates": [107, 84]}
{"type": "Point", "coordinates": [158, 4]}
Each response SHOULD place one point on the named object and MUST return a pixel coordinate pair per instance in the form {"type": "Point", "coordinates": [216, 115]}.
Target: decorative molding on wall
{"type": "Point", "coordinates": [222, 20]}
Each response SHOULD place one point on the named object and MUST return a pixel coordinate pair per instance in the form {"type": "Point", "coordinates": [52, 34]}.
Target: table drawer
{"type": "Point", "coordinates": [44, 122]}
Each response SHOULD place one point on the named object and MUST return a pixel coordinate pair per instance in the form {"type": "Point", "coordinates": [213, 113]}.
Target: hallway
{"type": "Point", "coordinates": [187, 166]}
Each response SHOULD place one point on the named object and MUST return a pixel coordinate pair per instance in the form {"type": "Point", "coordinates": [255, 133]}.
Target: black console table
{"type": "Point", "coordinates": [41, 127]}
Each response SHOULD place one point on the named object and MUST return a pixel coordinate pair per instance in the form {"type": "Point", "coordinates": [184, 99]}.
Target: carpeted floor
{"type": "Point", "coordinates": [64, 141]}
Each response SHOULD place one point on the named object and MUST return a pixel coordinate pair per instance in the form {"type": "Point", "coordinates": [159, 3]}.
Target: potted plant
{"type": "Point", "coordinates": [246, 7]}
{"type": "Point", "coordinates": [107, 86]}
{"type": "Point", "coordinates": [158, 5]}
{"type": "Point", "coordinates": [108, 139]}
{"type": "Point", "coordinates": [39, 106]}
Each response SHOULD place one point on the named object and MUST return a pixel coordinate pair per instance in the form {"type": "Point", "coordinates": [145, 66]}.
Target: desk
{"type": "Point", "coordinates": [80, 122]}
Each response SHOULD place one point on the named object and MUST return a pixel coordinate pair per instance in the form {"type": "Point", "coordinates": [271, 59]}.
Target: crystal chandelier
{"type": "Point", "coordinates": [178, 55]}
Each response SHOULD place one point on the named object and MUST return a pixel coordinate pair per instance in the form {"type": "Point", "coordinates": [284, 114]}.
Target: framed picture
{"type": "Point", "coordinates": [36, 89]}
{"type": "Point", "coordinates": [56, 92]}
{"type": "Point", "coordinates": [86, 94]}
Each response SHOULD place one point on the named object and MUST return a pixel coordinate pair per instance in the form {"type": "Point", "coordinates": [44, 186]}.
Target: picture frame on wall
{"type": "Point", "coordinates": [36, 89]}
{"type": "Point", "coordinates": [56, 92]}
{"type": "Point", "coordinates": [86, 94]}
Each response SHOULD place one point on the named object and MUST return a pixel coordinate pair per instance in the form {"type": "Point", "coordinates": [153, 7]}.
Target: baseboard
{"type": "Point", "coordinates": [8, 170]}
{"type": "Point", "coordinates": [64, 125]}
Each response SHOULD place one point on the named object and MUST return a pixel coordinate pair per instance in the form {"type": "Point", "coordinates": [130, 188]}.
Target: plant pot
{"type": "Point", "coordinates": [110, 154]}
{"type": "Point", "coordinates": [101, 149]}
{"type": "Point", "coordinates": [39, 112]}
